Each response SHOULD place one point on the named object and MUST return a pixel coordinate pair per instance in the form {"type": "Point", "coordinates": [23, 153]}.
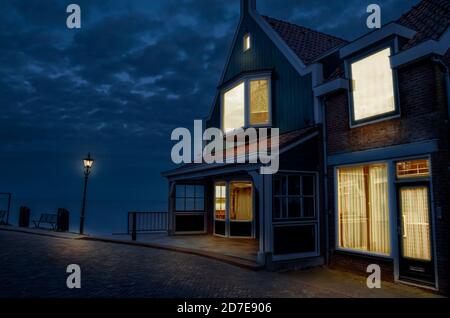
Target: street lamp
{"type": "Point", "coordinates": [88, 162]}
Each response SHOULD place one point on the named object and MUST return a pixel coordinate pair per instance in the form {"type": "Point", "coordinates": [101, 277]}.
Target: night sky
{"type": "Point", "coordinates": [117, 87]}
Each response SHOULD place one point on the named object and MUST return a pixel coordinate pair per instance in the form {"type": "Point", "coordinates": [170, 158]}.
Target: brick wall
{"type": "Point", "coordinates": [424, 116]}
{"type": "Point", "coordinates": [418, 101]}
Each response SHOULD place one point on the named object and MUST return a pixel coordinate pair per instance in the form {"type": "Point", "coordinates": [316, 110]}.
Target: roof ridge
{"type": "Point", "coordinates": [303, 27]}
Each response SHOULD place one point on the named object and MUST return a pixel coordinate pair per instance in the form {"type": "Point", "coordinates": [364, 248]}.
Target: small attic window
{"type": "Point", "coordinates": [247, 42]}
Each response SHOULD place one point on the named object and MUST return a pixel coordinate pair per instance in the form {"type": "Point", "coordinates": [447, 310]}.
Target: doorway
{"type": "Point", "coordinates": [233, 209]}
{"type": "Point", "coordinates": [416, 262]}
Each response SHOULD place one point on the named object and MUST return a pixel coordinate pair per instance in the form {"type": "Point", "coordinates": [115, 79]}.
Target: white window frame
{"type": "Point", "coordinates": [246, 80]}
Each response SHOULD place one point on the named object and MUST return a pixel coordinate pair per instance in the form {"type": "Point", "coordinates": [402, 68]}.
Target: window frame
{"type": "Point", "coordinates": [359, 57]}
{"type": "Point", "coordinates": [185, 198]}
{"type": "Point", "coordinates": [285, 177]}
{"type": "Point", "coordinates": [392, 211]}
{"type": "Point", "coordinates": [246, 80]}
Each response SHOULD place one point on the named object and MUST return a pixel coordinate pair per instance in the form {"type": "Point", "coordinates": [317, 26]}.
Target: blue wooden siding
{"type": "Point", "coordinates": [292, 96]}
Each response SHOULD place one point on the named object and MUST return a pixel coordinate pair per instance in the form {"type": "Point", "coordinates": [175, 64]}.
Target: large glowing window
{"type": "Point", "coordinates": [363, 208]}
{"type": "Point", "coordinates": [234, 108]}
{"type": "Point", "coordinates": [246, 104]}
{"type": "Point", "coordinates": [372, 86]}
{"type": "Point", "coordinates": [241, 208]}
{"type": "Point", "coordinates": [259, 102]}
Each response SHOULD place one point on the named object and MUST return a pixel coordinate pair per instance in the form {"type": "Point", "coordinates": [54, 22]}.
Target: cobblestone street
{"type": "Point", "coordinates": [35, 266]}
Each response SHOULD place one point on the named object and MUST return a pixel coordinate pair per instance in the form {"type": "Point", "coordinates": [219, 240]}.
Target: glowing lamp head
{"type": "Point", "coordinates": [88, 162]}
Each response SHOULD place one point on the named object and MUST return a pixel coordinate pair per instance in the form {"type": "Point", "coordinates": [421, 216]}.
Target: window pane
{"type": "Point", "coordinates": [259, 102]}
{"type": "Point", "coordinates": [180, 191]}
{"type": "Point", "coordinates": [241, 208]}
{"type": "Point", "coordinates": [416, 223]}
{"type": "Point", "coordinates": [308, 185]}
{"type": "Point", "coordinates": [284, 208]}
{"type": "Point", "coordinates": [199, 204]}
{"type": "Point", "coordinates": [277, 185]}
{"type": "Point", "coordinates": [247, 43]}
{"type": "Point", "coordinates": [308, 207]}
{"type": "Point", "coordinates": [220, 199]}
{"type": "Point", "coordinates": [294, 207]}
{"type": "Point", "coordinates": [190, 204]}
{"type": "Point", "coordinates": [234, 108]}
{"type": "Point", "coordinates": [199, 191]}
{"type": "Point", "coordinates": [373, 85]}
{"type": "Point", "coordinates": [294, 185]}
{"type": "Point", "coordinates": [179, 204]}
{"type": "Point", "coordinates": [413, 169]}
{"type": "Point", "coordinates": [190, 191]}
{"type": "Point", "coordinates": [284, 186]}
{"type": "Point", "coordinates": [363, 208]}
{"type": "Point", "coordinates": [276, 209]}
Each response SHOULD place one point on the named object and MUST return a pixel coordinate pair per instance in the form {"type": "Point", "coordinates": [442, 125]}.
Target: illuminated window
{"type": "Point", "coordinates": [189, 198]}
{"type": "Point", "coordinates": [372, 86]}
{"type": "Point", "coordinates": [241, 208]}
{"type": "Point", "coordinates": [246, 104]}
{"type": "Point", "coordinates": [413, 169]}
{"type": "Point", "coordinates": [259, 102]}
{"type": "Point", "coordinates": [363, 208]}
{"type": "Point", "coordinates": [220, 201]}
{"type": "Point", "coordinates": [247, 42]}
{"type": "Point", "coordinates": [234, 108]}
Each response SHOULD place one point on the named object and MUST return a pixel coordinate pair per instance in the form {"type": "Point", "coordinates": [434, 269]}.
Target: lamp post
{"type": "Point", "coordinates": [88, 162]}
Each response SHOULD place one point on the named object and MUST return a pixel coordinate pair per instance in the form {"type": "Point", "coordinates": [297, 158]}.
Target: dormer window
{"type": "Point", "coordinates": [372, 93]}
{"type": "Point", "coordinates": [247, 42]}
{"type": "Point", "coordinates": [246, 103]}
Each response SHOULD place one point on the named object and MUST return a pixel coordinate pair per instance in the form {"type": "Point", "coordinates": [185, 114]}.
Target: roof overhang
{"type": "Point", "coordinates": [391, 29]}
{"type": "Point", "coordinates": [331, 87]}
{"type": "Point", "coordinates": [422, 50]}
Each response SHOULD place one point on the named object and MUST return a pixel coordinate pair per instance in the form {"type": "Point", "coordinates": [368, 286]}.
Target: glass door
{"type": "Point", "coordinates": [416, 257]}
{"type": "Point", "coordinates": [241, 209]}
{"type": "Point", "coordinates": [220, 199]}
{"type": "Point", "coordinates": [233, 209]}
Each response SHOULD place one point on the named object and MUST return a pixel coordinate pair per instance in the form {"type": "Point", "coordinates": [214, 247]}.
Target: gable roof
{"type": "Point", "coordinates": [307, 44]}
{"type": "Point", "coordinates": [430, 18]}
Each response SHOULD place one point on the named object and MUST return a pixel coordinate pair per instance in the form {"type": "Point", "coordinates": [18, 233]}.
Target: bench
{"type": "Point", "coordinates": [46, 218]}
{"type": "Point", "coordinates": [2, 217]}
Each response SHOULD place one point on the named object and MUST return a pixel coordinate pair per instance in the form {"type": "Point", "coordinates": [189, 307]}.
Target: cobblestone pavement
{"type": "Point", "coordinates": [35, 266]}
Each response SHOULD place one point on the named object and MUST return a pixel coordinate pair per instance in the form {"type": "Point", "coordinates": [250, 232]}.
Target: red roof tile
{"type": "Point", "coordinates": [306, 43]}
{"type": "Point", "coordinates": [430, 18]}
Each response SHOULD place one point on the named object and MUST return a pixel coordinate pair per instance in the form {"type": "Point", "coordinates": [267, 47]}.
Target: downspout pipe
{"type": "Point", "coordinates": [325, 180]}
{"type": "Point", "coordinates": [447, 81]}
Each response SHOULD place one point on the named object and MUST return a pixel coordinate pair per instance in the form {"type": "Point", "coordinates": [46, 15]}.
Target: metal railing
{"type": "Point", "coordinates": [146, 222]}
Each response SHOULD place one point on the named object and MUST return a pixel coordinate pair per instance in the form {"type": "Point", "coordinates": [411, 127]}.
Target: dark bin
{"type": "Point", "coordinates": [62, 222]}
{"type": "Point", "coordinates": [24, 216]}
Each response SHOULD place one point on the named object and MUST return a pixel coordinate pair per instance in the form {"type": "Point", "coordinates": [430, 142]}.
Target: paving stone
{"type": "Point", "coordinates": [35, 266]}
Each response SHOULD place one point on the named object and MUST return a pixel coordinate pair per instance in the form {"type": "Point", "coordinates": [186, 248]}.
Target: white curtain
{"type": "Point", "coordinates": [379, 210]}
{"type": "Point", "coordinates": [364, 209]}
{"type": "Point", "coordinates": [241, 204]}
{"type": "Point", "coordinates": [416, 223]}
{"type": "Point", "coordinates": [352, 208]}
